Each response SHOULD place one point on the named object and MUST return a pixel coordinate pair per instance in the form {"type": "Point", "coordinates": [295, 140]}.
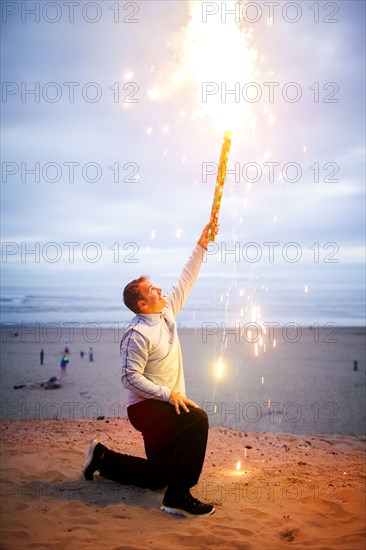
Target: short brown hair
{"type": "Point", "coordinates": [131, 293]}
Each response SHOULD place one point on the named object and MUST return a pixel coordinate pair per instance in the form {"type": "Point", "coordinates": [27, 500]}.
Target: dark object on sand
{"type": "Point", "coordinates": [52, 383]}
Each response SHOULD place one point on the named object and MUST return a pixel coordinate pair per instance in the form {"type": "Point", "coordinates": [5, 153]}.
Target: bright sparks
{"type": "Point", "coordinates": [219, 368]}
{"type": "Point", "coordinates": [215, 62]}
{"type": "Point", "coordinates": [238, 471]}
{"type": "Point", "coordinates": [153, 94]}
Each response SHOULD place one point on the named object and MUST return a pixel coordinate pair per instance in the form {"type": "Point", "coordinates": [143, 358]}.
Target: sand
{"type": "Point", "coordinates": [306, 386]}
{"type": "Point", "coordinates": [301, 482]}
{"type": "Point", "coordinates": [291, 491]}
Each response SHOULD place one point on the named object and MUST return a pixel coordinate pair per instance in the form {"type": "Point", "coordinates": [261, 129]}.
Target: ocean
{"type": "Point", "coordinates": [220, 301]}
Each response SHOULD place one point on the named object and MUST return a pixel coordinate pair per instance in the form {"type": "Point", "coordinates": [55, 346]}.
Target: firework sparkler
{"type": "Point", "coordinates": [220, 180]}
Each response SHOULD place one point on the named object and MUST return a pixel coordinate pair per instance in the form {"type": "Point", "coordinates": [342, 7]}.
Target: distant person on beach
{"type": "Point", "coordinates": [66, 350]}
{"type": "Point", "coordinates": [82, 354]}
{"type": "Point", "coordinates": [41, 356]}
{"type": "Point", "coordinates": [91, 354]}
{"type": "Point", "coordinates": [63, 364]}
{"type": "Point", "coordinates": [174, 428]}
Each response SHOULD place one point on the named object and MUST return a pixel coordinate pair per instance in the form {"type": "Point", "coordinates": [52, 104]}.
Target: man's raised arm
{"type": "Point", "coordinates": [180, 291]}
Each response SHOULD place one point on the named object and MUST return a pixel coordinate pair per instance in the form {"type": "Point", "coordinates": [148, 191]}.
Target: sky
{"type": "Point", "coordinates": [104, 164]}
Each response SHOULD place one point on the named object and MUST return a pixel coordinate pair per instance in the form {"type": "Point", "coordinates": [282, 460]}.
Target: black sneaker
{"type": "Point", "coordinates": [93, 460]}
{"type": "Point", "coordinates": [186, 505]}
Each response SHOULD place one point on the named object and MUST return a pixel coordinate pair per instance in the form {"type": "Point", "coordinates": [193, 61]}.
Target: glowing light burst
{"type": "Point", "coordinates": [238, 471]}
{"type": "Point", "coordinates": [211, 59]}
{"type": "Point", "coordinates": [215, 54]}
{"type": "Point", "coordinates": [219, 368]}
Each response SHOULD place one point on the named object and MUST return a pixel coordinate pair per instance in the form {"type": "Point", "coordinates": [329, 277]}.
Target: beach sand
{"type": "Point", "coordinates": [293, 490]}
{"type": "Point", "coordinates": [303, 386]}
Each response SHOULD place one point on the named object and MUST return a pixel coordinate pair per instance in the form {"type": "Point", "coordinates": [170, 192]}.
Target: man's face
{"type": "Point", "coordinates": [152, 300]}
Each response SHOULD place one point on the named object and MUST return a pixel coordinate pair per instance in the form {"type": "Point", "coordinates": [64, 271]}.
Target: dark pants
{"type": "Point", "coordinates": [175, 446]}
